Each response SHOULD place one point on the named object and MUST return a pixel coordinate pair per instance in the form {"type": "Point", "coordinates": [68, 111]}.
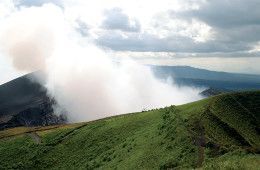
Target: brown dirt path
{"type": "Point", "coordinates": [35, 137]}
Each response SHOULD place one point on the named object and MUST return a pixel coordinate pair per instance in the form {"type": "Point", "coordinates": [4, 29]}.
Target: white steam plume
{"type": "Point", "coordinates": [80, 76]}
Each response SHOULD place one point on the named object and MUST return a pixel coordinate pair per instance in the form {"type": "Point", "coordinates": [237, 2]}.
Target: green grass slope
{"type": "Point", "coordinates": [220, 132]}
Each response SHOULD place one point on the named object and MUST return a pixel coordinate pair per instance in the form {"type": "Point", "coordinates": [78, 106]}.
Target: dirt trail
{"type": "Point", "coordinates": [201, 147]}
{"type": "Point", "coordinates": [199, 140]}
{"type": "Point", "coordinates": [66, 135]}
{"type": "Point", "coordinates": [30, 130]}
{"type": "Point", "coordinates": [35, 137]}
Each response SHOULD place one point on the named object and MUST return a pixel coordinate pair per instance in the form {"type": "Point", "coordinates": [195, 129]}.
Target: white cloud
{"type": "Point", "coordinates": [115, 19]}
{"type": "Point", "coordinates": [81, 77]}
{"type": "Point", "coordinates": [20, 30]}
{"type": "Point", "coordinates": [6, 7]}
{"type": "Point", "coordinates": [185, 28]}
{"type": "Point", "coordinates": [195, 26]}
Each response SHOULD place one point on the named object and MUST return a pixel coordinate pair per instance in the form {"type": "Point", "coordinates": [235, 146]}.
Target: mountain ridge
{"type": "Point", "coordinates": [198, 73]}
{"type": "Point", "coordinates": [212, 133]}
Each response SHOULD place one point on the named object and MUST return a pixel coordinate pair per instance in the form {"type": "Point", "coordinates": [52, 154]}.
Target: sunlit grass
{"type": "Point", "coordinates": [158, 139]}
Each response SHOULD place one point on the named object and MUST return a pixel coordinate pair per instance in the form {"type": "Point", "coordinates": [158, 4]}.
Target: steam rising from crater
{"type": "Point", "coordinates": [80, 76]}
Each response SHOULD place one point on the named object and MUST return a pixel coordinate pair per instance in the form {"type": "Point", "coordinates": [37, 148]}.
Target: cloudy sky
{"type": "Point", "coordinates": [221, 35]}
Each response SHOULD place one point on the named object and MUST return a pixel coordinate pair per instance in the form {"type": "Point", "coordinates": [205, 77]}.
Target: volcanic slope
{"type": "Point", "coordinates": [220, 132]}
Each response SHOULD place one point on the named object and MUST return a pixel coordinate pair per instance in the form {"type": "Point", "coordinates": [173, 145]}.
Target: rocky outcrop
{"type": "Point", "coordinates": [24, 102]}
{"type": "Point", "coordinates": [41, 115]}
{"type": "Point", "coordinates": [213, 91]}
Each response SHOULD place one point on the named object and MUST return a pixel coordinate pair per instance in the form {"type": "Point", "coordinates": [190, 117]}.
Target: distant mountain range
{"type": "Point", "coordinates": [185, 75]}
{"type": "Point", "coordinates": [24, 102]}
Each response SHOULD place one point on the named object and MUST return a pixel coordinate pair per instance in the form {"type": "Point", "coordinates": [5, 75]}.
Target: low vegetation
{"type": "Point", "coordinates": [220, 132]}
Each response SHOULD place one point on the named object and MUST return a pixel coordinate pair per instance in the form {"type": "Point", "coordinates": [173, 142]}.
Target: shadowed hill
{"type": "Point", "coordinates": [20, 94]}
{"type": "Point", "coordinates": [241, 113]}
{"type": "Point", "coordinates": [213, 91]}
{"type": "Point", "coordinates": [24, 102]}
{"type": "Point", "coordinates": [214, 133]}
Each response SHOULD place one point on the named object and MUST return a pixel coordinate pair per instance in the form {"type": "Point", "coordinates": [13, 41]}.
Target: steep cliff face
{"type": "Point", "coordinates": [24, 102]}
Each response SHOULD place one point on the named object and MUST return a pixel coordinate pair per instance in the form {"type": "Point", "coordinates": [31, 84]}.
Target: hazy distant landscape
{"type": "Point", "coordinates": [189, 76]}
{"type": "Point", "coordinates": [120, 84]}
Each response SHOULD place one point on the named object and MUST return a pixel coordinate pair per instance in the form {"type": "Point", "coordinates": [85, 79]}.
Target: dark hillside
{"type": "Point", "coordinates": [20, 94]}
{"type": "Point", "coordinates": [241, 113]}
{"type": "Point", "coordinates": [23, 102]}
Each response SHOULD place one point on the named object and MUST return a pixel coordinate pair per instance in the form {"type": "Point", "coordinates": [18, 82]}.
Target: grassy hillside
{"type": "Point", "coordinates": [218, 132]}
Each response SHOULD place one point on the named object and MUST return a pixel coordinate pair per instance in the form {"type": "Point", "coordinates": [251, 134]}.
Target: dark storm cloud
{"type": "Point", "coordinates": [117, 20]}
